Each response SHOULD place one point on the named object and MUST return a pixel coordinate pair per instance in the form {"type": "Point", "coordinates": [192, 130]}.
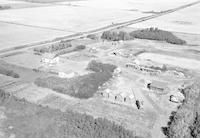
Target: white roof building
{"type": "Point", "coordinates": [136, 61]}
{"type": "Point", "coordinates": [67, 75]}
{"type": "Point", "coordinates": [117, 71]}
{"type": "Point", "coordinates": [50, 58]}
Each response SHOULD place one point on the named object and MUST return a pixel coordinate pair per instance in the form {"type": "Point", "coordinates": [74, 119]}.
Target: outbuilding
{"type": "Point", "coordinates": [129, 98]}
{"type": "Point", "coordinates": [107, 94]}
{"type": "Point", "coordinates": [119, 98]}
{"type": "Point", "coordinates": [157, 86]}
{"type": "Point", "coordinates": [49, 58]}
{"type": "Point", "coordinates": [175, 99]}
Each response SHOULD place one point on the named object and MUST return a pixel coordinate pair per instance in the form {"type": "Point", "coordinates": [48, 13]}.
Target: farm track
{"type": "Point", "coordinates": [35, 26]}
{"type": "Point", "coordinates": [106, 28]}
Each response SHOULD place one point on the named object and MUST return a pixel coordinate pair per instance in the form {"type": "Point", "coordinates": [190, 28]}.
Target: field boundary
{"type": "Point", "coordinates": [106, 28]}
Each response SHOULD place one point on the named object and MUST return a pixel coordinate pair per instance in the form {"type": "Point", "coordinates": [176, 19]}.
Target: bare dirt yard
{"type": "Point", "coordinates": [22, 119]}
{"type": "Point", "coordinates": [171, 60]}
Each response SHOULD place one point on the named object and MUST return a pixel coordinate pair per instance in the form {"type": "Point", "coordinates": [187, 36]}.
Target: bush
{"type": "Point", "coordinates": [82, 86]}
{"type": "Point", "coordinates": [195, 128]}
{"type": "Point", "coordinates": [73, 49]}
{"type": "Point", "coordinates": [4, 7]}
{"type": "Point", "coordinates": [54, 47]}
{"type": "Point", "coordinates": [116, 36]}
{"type": "Point", "coordinates": [92, 36]}
{"type": "Point", "coordinates": [79, 47]}
{"type": "Point", "coordinates": [3, 95]}
{"type": "Point", "coordinates": [100, 67]}
{"type": "Point", "coordinates": [156, 34]}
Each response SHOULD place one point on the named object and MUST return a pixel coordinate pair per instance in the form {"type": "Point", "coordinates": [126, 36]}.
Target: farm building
{"type": "Point", "coordinates": [67, 75]}
{"type": "Point", "coordinates": [129, 98]}
{"type": "Point", "coordinates": [50, 58]}
{"type": "Point", "coordinates": [175, 73]}
{"type": "Point", "coordinates": [107, 94]}
{"type": "Point", "coordinates": [119, 97]}
{"type": "Point", "coordinates": [117, 71]}
{"type": "Point", "coordinates": [143, 69]}
{"type": "Point", "coordinates": [157, 86]}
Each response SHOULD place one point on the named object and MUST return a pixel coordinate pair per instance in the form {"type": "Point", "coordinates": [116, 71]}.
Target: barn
{"type": "Point", "coordinates": [157, 86]}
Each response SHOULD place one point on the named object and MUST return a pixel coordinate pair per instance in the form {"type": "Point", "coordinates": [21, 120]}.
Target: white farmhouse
{"type": "Point", "coordinates": [50, 58]}
{"type": "Point", "coordinates": [117, 71]}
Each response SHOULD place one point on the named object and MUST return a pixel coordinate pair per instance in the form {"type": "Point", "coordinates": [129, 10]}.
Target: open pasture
{"type": "Point", "coordinates": [12, 35]}
{"type": "Point", "coordinates": [185, 20]}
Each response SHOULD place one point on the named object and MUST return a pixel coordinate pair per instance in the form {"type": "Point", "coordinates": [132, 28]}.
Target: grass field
{"type": "Point", "coordinates": [186, 20]}
{"type": "Point", "coordinates": [63, 19]}
{"type": "Point", "coordinates": [14, 35]}
{"type": "Point", "coordinates": [68, 18]}
{"type": "Point", "coordinates": [46, 1]}
{"type": "Point", "coordinates": [132, 5]}
{"type": "Point", "coordinates": [24, 119]}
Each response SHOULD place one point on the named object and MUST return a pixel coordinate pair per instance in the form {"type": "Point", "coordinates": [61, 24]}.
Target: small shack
{"type": "Point", "coordinates": [49, 58]}
{"type": "Point", "coordinates": [157, 86]}
{"type": "Point", "coordinates": [117, 71]}
{"type": "Point", "coordinates": [93, 50]}
{"type": "Point", "coordinates": [107, 94]}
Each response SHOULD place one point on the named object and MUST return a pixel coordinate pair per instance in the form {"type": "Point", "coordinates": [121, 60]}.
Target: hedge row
{"type": "Point", "coordinates": [54, 47]}
{"type": "Point", "coordinates": [185, 123]}
{"type": "Point", "coordinates": [150, 34]}
{"type": "Point", "coordinates": [33, 121]}
{"type": "Point", "coordinates": [81, 86]}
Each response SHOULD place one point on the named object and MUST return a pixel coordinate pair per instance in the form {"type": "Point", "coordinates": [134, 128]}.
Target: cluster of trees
{"type": "Point", "coordinates": [116, 36]}
{"type": "Point", "coordinates": [156, 34]}
{"type": "Point", "coordinates": [92, 36]}
{"type": "Point", "coordinates": [149, 33]}
{"type": "Point", "coordinates": [3, 95]}
{"type": "Point", "coordinates": [33, 121]}
{"type": "Point", "coordinates": [81, 86]}
{"type": "Point", "coordinates": [185, 123]}
{"type": "Point", "coordinates": [100, 67]}
{"type": "Point", "coordinates": [54, 47]}
{"type": "Point", "coordinates": [69, 50]}
{"type": "Point", "coordinates": [85, 126]}
{"type": "Point", "coordinates": [8, 72]}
